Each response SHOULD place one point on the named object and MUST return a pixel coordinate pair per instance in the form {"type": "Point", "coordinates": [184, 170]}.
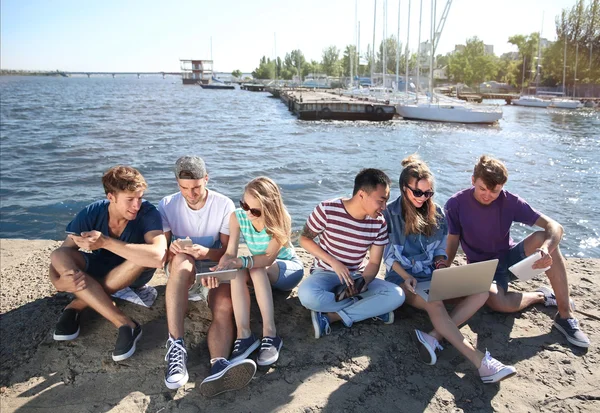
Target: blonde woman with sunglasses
{"type": "Point", "coordinates": [418, 232]}
{"type": "Point", "coordinates": [265, 224]}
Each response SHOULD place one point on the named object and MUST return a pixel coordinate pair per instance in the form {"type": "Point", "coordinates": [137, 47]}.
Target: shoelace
{"type": "Point", "coordinates": [437, 346]}
{"type": "Point", "coordinates": [175, 356]}
{"type": "Point", "coordinates": [266, 343]}
{"type": "Point", "coordinates": [573, 323]}
{"type": "Point", "coordinates": [491, 363]}
{"type": "Point", "coordinates": [236, 346]}
{"type": "Point", "coordinates": [327, 326]}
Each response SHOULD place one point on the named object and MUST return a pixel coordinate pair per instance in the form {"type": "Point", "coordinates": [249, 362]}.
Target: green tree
{"type": "Point", "coordinates": [331, 64]}
{"type": "Point", "coordinates": [265, 70]}
{"type": "Point", "coordinates": [528, 50]}
{"type": "Point", "coordinates": [311, 67]}
{"type": "Point", "coordinates": [580, 27]}
{"type": "Point", "coordinates": [349, 56]}
{"type": "Point", "coordinates": [471, 65]}
{"type": "Point", "coordinates": [391, 49]}
{"type": "Point", "coordinates": [236, 73]}
{"type": "Point", "coordinates": [294, 62]}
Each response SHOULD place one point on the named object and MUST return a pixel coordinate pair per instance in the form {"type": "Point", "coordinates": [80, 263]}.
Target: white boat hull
{"type": "Point", "coordinates": [448, 113]}
{"type": "Point", "coordinates": [566, 104]}
{"type": "Point", "coordinates": [531, 103]}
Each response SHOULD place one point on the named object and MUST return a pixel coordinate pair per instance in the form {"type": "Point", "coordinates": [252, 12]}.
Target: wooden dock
{"type": "Point", "coordinates": [253, 87]}
{"type": "Point", "coordinates": [317, 105]}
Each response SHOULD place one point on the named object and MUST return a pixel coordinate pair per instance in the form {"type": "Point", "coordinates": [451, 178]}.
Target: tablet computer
{"type": "Point", "coordinates": [223, 275]}
{"type": "Point", "coordinates": [523, 269]}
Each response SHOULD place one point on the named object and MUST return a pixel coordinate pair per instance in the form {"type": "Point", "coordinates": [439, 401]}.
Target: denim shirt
{"type": "Point", "coordinates": [414, 252]}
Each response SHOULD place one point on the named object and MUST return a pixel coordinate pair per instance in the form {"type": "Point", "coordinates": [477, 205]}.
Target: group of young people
{"type": "Point", "coordinates": [120, 241]}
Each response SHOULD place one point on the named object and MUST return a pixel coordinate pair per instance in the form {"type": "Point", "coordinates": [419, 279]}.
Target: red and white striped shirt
{"type": "Point", "coordinates": [345, 238]}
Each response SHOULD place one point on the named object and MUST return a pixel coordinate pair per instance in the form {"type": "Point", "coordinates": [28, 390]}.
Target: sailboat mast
{"type": "Point", "coordinates": [373, 51]}
{"type": "Point", "coordinates": [398, 48]}
{"type": "Point", "coordinates": [419, 51]}
{"type": "Point", "coordinates": [383, 44]}
{"type": "Point", "coordinates": [564, 65]}
{"type": "Point", "coordinates": [539, 57]}
{"type": "Point", "coordinates": [406, 52]}
{"type": "Point", "coordinates": [431, 51]}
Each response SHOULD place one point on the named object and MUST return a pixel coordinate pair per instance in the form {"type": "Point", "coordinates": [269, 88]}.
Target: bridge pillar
{"type": "Point", "coordinates": [113, 75]}
{"type": "Point", "coordinates": [163, 74]}
{"type": "Point", "coordinates": [88, 75]}
{"type": "Point", "coordinates": [138, 75]}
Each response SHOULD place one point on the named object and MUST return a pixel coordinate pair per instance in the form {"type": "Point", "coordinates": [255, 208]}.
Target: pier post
{"type": "Point", "coordinates": [88, 75]}
{"type": "Point", "coordinates": [113, 75]}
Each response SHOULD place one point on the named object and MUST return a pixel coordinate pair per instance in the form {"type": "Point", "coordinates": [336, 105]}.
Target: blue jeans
{"type": "Point", "coordinates": [290, 274]}
{"type": "Point", "coordinates": [317, 294]}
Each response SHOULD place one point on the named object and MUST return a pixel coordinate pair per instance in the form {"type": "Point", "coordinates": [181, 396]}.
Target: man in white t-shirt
{"type": "Point", "coordinates": [202, 215]}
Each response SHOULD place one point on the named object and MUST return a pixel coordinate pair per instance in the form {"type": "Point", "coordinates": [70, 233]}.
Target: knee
{"type": "Point", "coordinates": [435, 307]}
{"type": "Point", "coordinates": [307, 295]}
{"type": "Point", "coordinates": [181, 261]}
{"type": "Point", "coordinates": [222, 309]}
{"type": "Point", "coordinates": [496, 302]}
{"type": "Point", "coordinates": [481, 298]}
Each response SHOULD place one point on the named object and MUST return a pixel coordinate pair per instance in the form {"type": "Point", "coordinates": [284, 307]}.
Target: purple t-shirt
{"type": "Point", "coordinates": [484, 230]}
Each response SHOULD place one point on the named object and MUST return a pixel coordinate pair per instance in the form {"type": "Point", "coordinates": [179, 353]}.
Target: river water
{"type": "Point", "coordinates": [58, 135]}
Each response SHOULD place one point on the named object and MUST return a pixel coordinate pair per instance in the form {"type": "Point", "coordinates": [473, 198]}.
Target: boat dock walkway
{"type": "Point", "coordinates": [312, 104]}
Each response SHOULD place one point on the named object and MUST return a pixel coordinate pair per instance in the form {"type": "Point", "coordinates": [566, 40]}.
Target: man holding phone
{"type": "Point", "coordinates": [339, 288]}
{"type": "Point", "coordinates": [125, 237]}
{"type": "Point", "coordinates": [196, 223]}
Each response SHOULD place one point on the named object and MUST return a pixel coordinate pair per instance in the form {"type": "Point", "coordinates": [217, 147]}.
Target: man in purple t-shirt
{"type": "Point", "coordinates": [479, 218]}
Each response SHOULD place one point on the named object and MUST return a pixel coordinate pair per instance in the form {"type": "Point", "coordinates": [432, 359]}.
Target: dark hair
{"type": "Point", "coordinates": [491, 171]}
{"type": "Point", "coordinates": [425, 219]}
{"type": "Point", "coordinates": [368, 180]}
{"type": "Point", "coordinates": [122, 178]}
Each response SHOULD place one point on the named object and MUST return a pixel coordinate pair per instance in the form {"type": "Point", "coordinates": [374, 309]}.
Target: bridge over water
{"type": "Point", "coordinates": [113, 74]}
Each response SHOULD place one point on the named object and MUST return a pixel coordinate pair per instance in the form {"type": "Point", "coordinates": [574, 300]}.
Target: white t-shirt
{"type": "Point", "coordinates": [202, 226]}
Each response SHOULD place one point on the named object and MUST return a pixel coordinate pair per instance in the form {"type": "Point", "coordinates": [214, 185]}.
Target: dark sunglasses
{"type": "Point", "coordinates": [418, 193]}
{"type": "Point", "coordinates": [256, 212]}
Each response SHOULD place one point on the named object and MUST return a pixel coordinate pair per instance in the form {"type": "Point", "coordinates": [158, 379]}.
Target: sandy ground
{"type": "Point", "coordinates": [370, 367]}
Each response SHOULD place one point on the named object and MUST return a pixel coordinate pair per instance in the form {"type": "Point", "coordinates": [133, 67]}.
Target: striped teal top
{"type": "Point", "coordinates": [259, 241]}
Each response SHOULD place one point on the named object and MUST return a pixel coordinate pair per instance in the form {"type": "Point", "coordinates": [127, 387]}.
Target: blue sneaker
{"type": "Point", "coordinates": [243, 347]}
{"type": "Point", "coordinates": [387, 318]}
{"type": "Point", "coordinates": [320, 324]}
{"type": "Point", "coordinates": [226, 376]}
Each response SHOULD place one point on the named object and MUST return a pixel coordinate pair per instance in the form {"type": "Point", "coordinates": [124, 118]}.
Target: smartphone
{"type": "Point", "coordinates": [73, 233]}
{"type": "Point", "coordinates": [185, 242]}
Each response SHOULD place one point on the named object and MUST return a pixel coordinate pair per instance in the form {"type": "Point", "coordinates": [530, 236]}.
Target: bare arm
{"type": "Point", "coordinates": [372, 268]}
{"type": "Point", "coordinates": [451, 248]}
{"type": "Point", "coordinates": [152, 254]}
{"type": "Point", "coordinates": [553, 233]}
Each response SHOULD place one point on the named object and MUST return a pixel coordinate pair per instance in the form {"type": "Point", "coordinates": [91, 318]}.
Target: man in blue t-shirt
{"type": "Point", "coordinates": [124, 236]}
{"type": "Point", "coordinates": [479, 218]}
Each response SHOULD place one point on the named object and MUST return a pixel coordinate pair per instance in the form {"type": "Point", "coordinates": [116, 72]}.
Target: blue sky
{"type": "Point", "coordinates": [150, 35]}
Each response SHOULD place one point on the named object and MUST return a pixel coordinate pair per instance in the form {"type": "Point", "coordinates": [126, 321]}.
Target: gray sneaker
{"type": "Point", "coordinates": [550, 298]}
{"type": "Point", "coordinates": [269, 350]}
{"type": "Point", "coordinates": [570, 329]}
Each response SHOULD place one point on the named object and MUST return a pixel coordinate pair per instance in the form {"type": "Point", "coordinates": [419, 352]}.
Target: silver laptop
{"type": "Point", "coordinates": [458, 281]}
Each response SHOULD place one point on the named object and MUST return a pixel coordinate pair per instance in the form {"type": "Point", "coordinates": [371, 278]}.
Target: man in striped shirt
{"type": "Point", "coordinates": [340, 287]}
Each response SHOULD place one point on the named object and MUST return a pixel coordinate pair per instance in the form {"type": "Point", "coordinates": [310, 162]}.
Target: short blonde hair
{"type": "Point", "coordinates": [123, 178]}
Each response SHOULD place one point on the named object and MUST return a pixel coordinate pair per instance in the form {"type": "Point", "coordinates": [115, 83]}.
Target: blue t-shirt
{"type": "Point", "coordinates": [95, 217]}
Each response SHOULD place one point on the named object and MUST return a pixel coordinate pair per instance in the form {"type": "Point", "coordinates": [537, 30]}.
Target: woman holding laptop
{"type": "Point", "coordinates": [418, 232]}
{"type": "Point", "coordinates": [266, 225]}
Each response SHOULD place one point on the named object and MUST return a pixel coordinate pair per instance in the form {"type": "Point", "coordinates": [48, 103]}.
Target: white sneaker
{"type": "Point", "coordinates": [427, 346]}
{"type": "Point", "coordinates": [492, 371]}
{"type": "Point", "coordinates": [176, 358]}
